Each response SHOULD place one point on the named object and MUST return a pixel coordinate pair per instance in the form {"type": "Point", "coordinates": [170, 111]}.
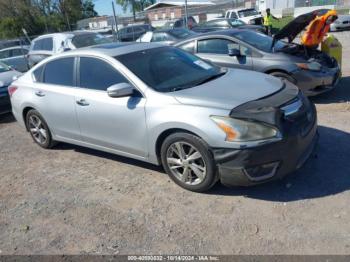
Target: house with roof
{"type": "Point", "coordinates": [165, 10]}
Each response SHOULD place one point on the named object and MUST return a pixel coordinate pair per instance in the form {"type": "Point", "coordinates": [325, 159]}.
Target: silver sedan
{"type": "Point", "coordinates": [162, 105]}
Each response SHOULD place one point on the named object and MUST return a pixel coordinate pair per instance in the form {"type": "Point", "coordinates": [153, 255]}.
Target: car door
{"type": "Point", "coordinates": [113, 123]}
{"type": "Point", "coordinates": [216, 50]}
{"type": "Point", "coordinates": [53, 93]}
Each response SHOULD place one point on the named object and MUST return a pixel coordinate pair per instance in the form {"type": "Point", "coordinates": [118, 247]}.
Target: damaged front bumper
{"type": "Point", "coordinates": [296, 120]}
{"type": "Point", "coordinates": [317, 82]}
{"type": "Point", "coordinates": [248, 167]}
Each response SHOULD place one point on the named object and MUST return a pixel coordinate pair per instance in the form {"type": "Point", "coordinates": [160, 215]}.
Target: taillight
{"type": "Point", "coordinates": [12, 90]}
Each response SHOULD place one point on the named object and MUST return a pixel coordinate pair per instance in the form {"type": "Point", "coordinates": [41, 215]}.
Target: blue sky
{"type": "Point", "coordinates": [104, 7]}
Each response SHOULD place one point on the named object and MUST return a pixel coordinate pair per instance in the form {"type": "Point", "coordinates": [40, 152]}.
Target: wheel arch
{"type": "Point", "coordinates": [163, 135]}
{"type": "Point", "coordinates": [282, 71]}
{"type": "Point", "coordinates": [24, 114]}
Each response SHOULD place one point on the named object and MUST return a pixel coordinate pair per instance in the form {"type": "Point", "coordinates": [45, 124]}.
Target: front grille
{"type": "Point", "coordinates": [300, 114]}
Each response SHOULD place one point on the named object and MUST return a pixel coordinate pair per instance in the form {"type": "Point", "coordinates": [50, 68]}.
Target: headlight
{"type": "Point", "coordinates": [313, 66]}
{"type": "Point", "coordinates": [244, 131]}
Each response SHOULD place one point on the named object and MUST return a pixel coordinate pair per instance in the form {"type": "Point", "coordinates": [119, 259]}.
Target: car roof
{"type": "Point", "coordinates": [226, 32]}
{"type": "Point", "coordinates": [129, 26]}
{"type": "Point", "coordinates": [166, 30]}
{"type": "Point", "coordinates": [73, 33]}
{"type": "Point", "coordinates": [115, 49]}
{"type": "Point", "coordinates": [15, 47]}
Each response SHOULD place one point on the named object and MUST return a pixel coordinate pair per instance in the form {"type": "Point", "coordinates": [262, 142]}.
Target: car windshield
{"type": "Point", "coordinates": [247, 12]}
{"type": "Point", "coordinates": [259, 40]}
{"type": "Point", "coordinates": [4, 68]}
{"type": "Point", "coordinates": [89, 39]}
{"type": "Point", "coordinates": [181, 33]}
{"type": "Point", "coordinates": [235, 22]}
{"type": "Point", "coordinates": [168, 69]}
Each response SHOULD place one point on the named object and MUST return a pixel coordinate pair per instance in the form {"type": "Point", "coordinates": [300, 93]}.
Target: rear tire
{"type": "Point", "coordinates": [188, 161]}
{"type": "Point", "coordinates": [39, 130]}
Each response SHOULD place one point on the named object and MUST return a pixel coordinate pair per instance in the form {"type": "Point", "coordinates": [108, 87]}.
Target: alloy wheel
{"type": "Point", "coordinates": [186, 163]}
{"type": "Point", "coordinates": [37, 129]}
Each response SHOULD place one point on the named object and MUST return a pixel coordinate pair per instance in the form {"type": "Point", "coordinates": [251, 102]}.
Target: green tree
{"type": "Point", "coordinates": [134, 5]}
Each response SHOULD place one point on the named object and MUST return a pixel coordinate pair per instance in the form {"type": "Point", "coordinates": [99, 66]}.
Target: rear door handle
{"type": "Point", "coordinates": [82, 102]}
{"type": "Point", "coordinates": [39, 93]}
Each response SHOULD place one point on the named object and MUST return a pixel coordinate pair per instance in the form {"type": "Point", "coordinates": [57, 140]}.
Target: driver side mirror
{"type": "Point", "coordinates": [234, 52]}
{"type": "Point", "coordinates": [120, 90]}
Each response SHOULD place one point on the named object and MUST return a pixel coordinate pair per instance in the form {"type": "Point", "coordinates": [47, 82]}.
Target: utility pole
{"type": "Point", "coordinates": [186, 15]}
{"type": "Point", "coordinates": [115, 19]}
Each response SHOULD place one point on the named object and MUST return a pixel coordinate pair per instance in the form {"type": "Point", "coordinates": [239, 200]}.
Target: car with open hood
{"type": "Point", "coordinates": [313, 71]}
{"type": "Point", "coordinates": [159, 104]}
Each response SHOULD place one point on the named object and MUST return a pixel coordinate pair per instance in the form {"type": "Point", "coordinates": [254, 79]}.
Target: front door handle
{"type": "Point", "coordinates": [82, 102]}
{"type": "Point", "coordinates": [39, 93]}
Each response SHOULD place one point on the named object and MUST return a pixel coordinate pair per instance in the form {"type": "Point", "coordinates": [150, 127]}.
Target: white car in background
{"type": "Point", "coordinates": [51, 44]}
{"type": "Point", "coordinates": [248, 15]}
{"type": "Point", "coordinates": [342, 23]}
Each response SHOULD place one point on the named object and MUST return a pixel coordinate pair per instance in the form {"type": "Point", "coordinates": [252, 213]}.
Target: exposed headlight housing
{"type": "Point", "coordinates": [313, 66]}
{"type": "Point", "coordinates": [241, 131]}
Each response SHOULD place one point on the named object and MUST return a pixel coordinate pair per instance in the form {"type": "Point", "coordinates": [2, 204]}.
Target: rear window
{"type": "Point", "coordinates": [43, 44]}
{"type": "Point", "coordinates": [84, 40]}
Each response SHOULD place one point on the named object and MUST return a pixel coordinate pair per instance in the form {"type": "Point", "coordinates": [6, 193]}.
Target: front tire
{"type": "Point", "coordinates": [188, 161]}
{"type": "Point", "coordinates": [39, 130]}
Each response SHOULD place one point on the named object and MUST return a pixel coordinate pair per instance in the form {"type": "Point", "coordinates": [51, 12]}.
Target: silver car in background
{"type": "Point", "coordinates": [16, 57]}
{"type": "Point", "coordinates": [164, 106]}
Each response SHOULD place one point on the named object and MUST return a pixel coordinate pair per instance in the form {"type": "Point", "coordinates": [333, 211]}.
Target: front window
{"type": "Point", "coordinates": [4, 68]}
{"type": "Point", "coordinates": [247, 12]}
{"type": "Point", "coordinates": [90, 39]}
{"type": "Point", "coordinates": [259, 40]}
{"type": "Point", "coordinates": [168, 69]}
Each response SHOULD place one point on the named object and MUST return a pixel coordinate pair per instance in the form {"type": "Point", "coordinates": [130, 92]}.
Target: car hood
{"type": "Point", "coordinates": [294, 27]}
{"type": "Point", "coordinates": [234, 88]}
{"type": "Point", "coordinates": [6, 78]}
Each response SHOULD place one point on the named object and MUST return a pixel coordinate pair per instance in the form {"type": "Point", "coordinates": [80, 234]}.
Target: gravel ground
{"type": "Point", "coordinates": [74, 200]}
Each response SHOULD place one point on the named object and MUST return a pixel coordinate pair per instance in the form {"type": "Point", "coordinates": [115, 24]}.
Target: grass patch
{"type": "Point", "coordinates": [281, 22]}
